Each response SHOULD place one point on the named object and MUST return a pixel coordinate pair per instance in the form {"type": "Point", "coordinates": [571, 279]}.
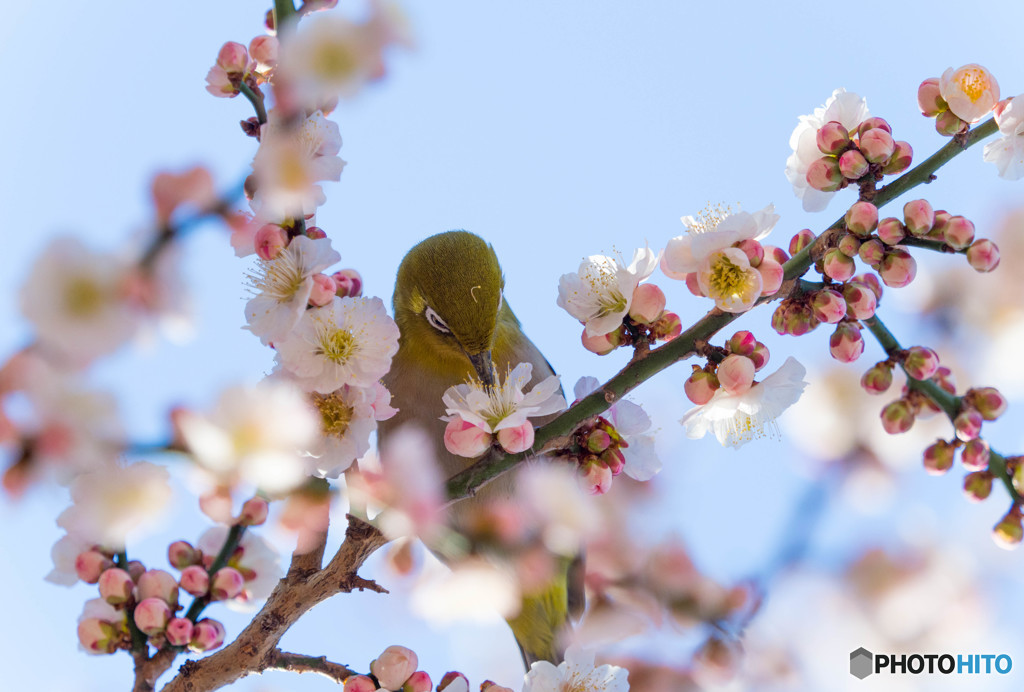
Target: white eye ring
{"type": "Point", "coordinates": [435, 321]}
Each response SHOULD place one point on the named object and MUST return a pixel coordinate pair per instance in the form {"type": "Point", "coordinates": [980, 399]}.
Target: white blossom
{"type": "Point", "coordinates": [600, 292]}
{"type": "Point", "coordinates": [348, 416]}
{"type": "Point", "coordinates": [1007, 152]}
{"type": "Point", "coordinates": [711, 231]}
{"type": "Point", "coordinates": [577, 673]}
{"type": "Point", "coordinates": [504, 405]}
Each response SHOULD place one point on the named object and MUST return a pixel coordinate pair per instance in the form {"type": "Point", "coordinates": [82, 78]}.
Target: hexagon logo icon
{"type": "Point", "coordinates": [861, 663]}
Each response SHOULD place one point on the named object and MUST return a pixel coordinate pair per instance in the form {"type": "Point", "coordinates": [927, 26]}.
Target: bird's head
{"type": "Point", "coordinates": [447, 300]}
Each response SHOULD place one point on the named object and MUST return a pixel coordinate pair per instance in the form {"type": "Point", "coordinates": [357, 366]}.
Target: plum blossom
{"type": "Point", "coordinates": [472, 591]}
{"type": "Point", "coordinates": [284, 285]}
{"type": "Point", "coordinates": [290, 161]}
{"type": "Point", "coordinates": [254, 435]}
{"type": "Point", "coordinates": [576, 674]}
{"type": "Point", "coordinates": [111, 502]}
{"type": "Point", "coordinates": [76, 301]}
{"type": "Point", "coordinates": [550, 495]}
{"type": "Point", "coordinates": [600, 293]}
{"type": "Point", "coordinates": [348, 416]}
{"type": "Point", "coordinates": [631, 421]}
{"type": "Point", "coordinates": [971, 91]}
{"type": "Point", "coordinates": [1007, 152]}
{"type": "Point", "coordinates": [738, 418]}
{"type": "Point", "coordinates": [348, 341]}
{"type": "Point", "coordinates": [258, 563]}
{"type": "Point", "coordinates": [846, 108]}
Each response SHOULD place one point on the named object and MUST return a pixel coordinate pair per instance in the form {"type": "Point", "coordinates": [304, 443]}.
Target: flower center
{"type": "Point", "coordinates": [337, 345]}
{"type": "Point", "coordinates": [744, 427]}
{"type": "Point", "coordinates": [727, 277]}
{"type": "Point", "coordinates": [280, 278]}
{"type": "Point", "coordinates": [335, 414]}
{"type": "Point", "coordinates": [601, 277]}
{"type": "Point", "coordinates": [83, 296]}
{"type": "Point", "coordinates": [973, 83]}
{"type": "Point", "coordinates": [291, 171]}
{"type": "Point", "coordinates": [335, 62]}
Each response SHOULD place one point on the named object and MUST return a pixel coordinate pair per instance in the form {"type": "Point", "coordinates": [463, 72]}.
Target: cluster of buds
{"type": "Point", "coordinates": [395, 669]}
{"type": "Point", "coordinates": [271, 239]}
{"type": "Point", "coordinates": [958, 98]}
{"type": "Point", "coordinates": [732, 370]}
{"type": "Point", "coordinates": [862, 156]}
{"type": "Point", "coordinates": [236, 66]}
{"type": "Point", "coordinates": [597, 447]}
{"type": "Point", "coordinates": [646, 322]}
{"type": "Point", "coordinates": [920, 363]}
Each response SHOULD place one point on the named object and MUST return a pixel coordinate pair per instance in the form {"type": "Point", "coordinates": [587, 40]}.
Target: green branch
{"type": "Point", "coordinates": [256, 99]}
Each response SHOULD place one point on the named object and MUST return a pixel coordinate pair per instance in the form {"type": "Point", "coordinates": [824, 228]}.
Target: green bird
{"type": "Point", "coordinates": [455, 325]}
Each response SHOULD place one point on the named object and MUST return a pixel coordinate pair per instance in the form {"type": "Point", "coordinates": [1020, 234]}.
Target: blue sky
{"type": "Point", "coordinates": [554, 130]}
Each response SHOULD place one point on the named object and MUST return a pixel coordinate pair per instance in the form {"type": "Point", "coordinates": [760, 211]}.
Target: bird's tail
{"type": "Point", "coordinates": [540, 626]}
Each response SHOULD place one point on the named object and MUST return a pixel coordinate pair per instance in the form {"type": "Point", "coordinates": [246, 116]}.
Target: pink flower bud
{"type": "Point", "coordinates": [975, 455]}
{"type": "Point", "coordinates": [846, 344]}
{"type": "Point", "coordinates": [693, 285]}
{"type": "Point", "coordinates": [900, 160]}
{"type": "Point", "coordinates": [195, 580]}
{"type": "Point", "coordinates": [179, 631]}
{"type": "Point", "coordinates": [152, 615]}
{"type": "Point", "coordinates": [918, 217]}
{"type": "Point", "coordinates": [116, 586]}
{"type": "Point", "coordinates": [898, 268]}
{"type": "Point", "coordinates": [938, 458]}
{"type": "Point", "coordinates": [877, 379]}
{"type": "Point", "coordinates": [270, 240]}
{"type": "Point", "coordinates": [97, 636]}
{"type": "Point", "coordinates": [598, 441]}
{"type": "Point", "coordinates": [264, 50]}
{"type": "Point", "coordinates": [877, 145]}
{"type": "Point", "coordinates": [869, 281]}
{"type": "Point", "coordinates": [227, 583]}
{"type": "Point", "coordinates": [983, 256]}
{"type": "Point", "coordinates": [977, 486]}
{"type": "Point", "coordinates": [359, 683]}
{"type": "Point", "coordinates": [988, 401]}
{"type": "Point", "coordinates": [861, 219]}
{"type": "Point", "coordinates": [595, 478]}
{"type": "Point", "coordinates": [90, 564]}
{"type": "Point", "coordinates": [942, 217]}
{"type": "Point", "coordinates": [700, 387]}
{"type": "Point", "coordinates": [832, 138]}
{"type": "Point", "coordinates": [948, 124]}
{"type": "Point", "coordinates": [958, 232]}
{"type": "Point", "coordinates": [668, 327]}
{"type": "Point", "coordinates": [824, 175]}
{"type": "Point", "coordinates": [778, 321]}
{"type": "Point", "coordinates": [968, 424]}
{"type": "Point", "coordinates": [517, 439]}
{"type": "Point", "coordinates": [760, 356]}
{"type": "Point", "coordinates": [801, 240]}
{"type": "Point", "coordinates": [349, 282]}
{"type": "Point", "coordinates": [315, 232]}
{"type": "Point", "coordinates": [233, 58]}
{"type": "Point", "coordinates": [799, 319]}
{"type": "Point", "coordinates": [736, 374]}
{"type": "Point", "coordinates": [772, 276]}
{"type": "Point", "coordinates": [860, 301]}
{"type": "Point", "coordinates": [753, 250]}
{"type": "Point", "coordinates": [614, 459]}
{"type": "Point", "coordinates": [891, 231]}
{"type": "Point", "coordinates": [254, 512]}
{"type": "Point", "coordinates": [929, 98]}
{"type": "Point", "coordinates": [838, 266]}
{"type": "Point", "coordinates": [602, 344]}
{"type": "Point", "coordinates": [156, 583]}
{"type": "Point", "coordinates": [1008, 532]}
{"type": "Point", "coordinates": [775, 253]}
{"type": "Point", "coordinates": [742, 343]}
{"type": "Point", "coordinates": [921, 362]}
{"type": "Point", "coordinates": [465, 439]}
{"type": "Point", "coordinates": [828, 306]}
{"type": "Point", "coordinates": [872, 124]}
{"type": "Point", "coordinates": [647, 304]}
{"type": "Point", "coordinates": [453, 682]}
{"type": "Point", "coordinates": [207, 634]}
{"type": "Point", "coordinates": [418, 682]}
{"type": "Point", "coordinates": [897, 417]}
{"type": "Point", "coordinates": [181, 554]}
{"type": "Point", "coordinates": [849, 245]}
{"type": "Point", "coordinates": [393, 667]}
{"type": "Point", "coordinates": [853, 165]}
{"type": "Point", "coordinates": [323, 290]}
{"type": "Point", "coordinates": [871, 252]}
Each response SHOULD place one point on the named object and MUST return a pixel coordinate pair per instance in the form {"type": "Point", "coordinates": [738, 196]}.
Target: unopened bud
{"type": "Point", "coordinates": [983, 256]}
{"type": "Point", "coordinates": [828, 306]}
{"type": "Point", "coordinates": [773, 252]}
{"type": "Point", "coordinates": [668, 327]}
{"type": "Point", "coordinates": [877, 145]}
{"type": "Point", "coordinates": [418, 682]}
{"type": "Point", "coordinates": [264, 50]}
{"type": "Point", "coordinates": [742, 343]}
{"type": "Point", "coordinates": [897, 417]}
{"type": "Point", "coordinates": [359, 683]}
{"type": "Point", "coordinates": [824, 174]}
{"type": "Point", "coordinates": [968, 424]}
{"type": "Point", "coordinates": [97, 636]}
{"type": "Point", "coordinates": [846, 344]}
{"type": "Point", "coordinates": [853, 165]}
{"type": "Point", "coordinates": [977, 486]}
{"type": "Point", "coordinates": [595, 478]}
{"type": "Point", "coordinates": [227, 583]}
{"type": "Point", "coordinates": [862, 218]}
{"type": "Point", "coordinates": [898, 268]}
{"type": "Point", "coordinates": [315, 232]}
{"type": "Point", "coordinates": [902, 157]}
{"type": "Point", "coordinates": [872, 252]}
{"type": "Point", "coordinates": [195, 580]}
{"type": "Point", "coordinates": [1008, 532]}
{"type": "Point", "coordinates": [918, 217]}
{"type": "Point", "coordinates": [772, 275]}
{"type": "Point", "coordinates": [614, 459]}
{"type": "Point", "coordinates": [958, 232]}
{"type": "Point", "coordinates": [838, 266]}
{"type": "Point", "coordinates": [601, 344]}
{"type": "Point", "coordinates": [938, 458]}
{"type": "Point", "coordinates": [700, 387]}
{"type": "Point", "coordinates": [156, 583]}
{"type": "Point", "coordinates": [349, 283]}
{"type": "Point", "coordinates": [179, 631]}
{"type": "Point", "coordinates": [254, 512]}
{"type": "Point", "coordinates": [90, 564]}
{"type": "Point", "coordinates": [921, 363]}
{"type": "Point", "coordinates": [891, 231]}
{"type": "Point", "coordinates": [115, 586]}
{"type": "Point", "coordinates": [760, 356]}
{"type": "Point", "coordinates": [877, 379]}
{"type": "Point", "coordinates": [270, 240]}
{"type": "Point", "coordinates": [736, 374]}
{"type": "Point", "coordinates": [207, 634]}
{"type": "Point", "coordinates": [870, 281]}
{"type": "Point", "coordinates": [873, 123]}
{"type": "Point", "coordinates": [647, 304]}
{"type": "Point", "coordinates": [929, 98]}
{"type": "Point", "coordinates": [516, 439]}
{"type": "Point", "coordinates": [849, 245]}
{"type": "Point", "coordinates": [181, 554]}
{"type": "Point", "coordinates": [948, 124]}
{"type": "Point", "coordinates": [753, 250]}
{"type": "Point", "coordinates": [323, 290]}
{"type": "Point", "coordinates": [598, 441]}
{"type": "Point", "coordinates": [832, 138]}
{"type": "Point", "coordinates": [233, 58]}
{"type": "Point", "coordinates": [975, 455]}
{"type": "Point", "coordinates": [465, 439]}
{"type": "Point", "coordinates": [988, 401]}
{"type": "Point", "coordinates": [152, 615]}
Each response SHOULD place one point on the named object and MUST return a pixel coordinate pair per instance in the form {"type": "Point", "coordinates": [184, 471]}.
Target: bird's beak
{"type": "Point", "coordinates": [484, 366]}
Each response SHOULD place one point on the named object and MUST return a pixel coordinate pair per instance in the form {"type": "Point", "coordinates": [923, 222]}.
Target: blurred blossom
{"type": "Point", "coordinates": [632, 422]}
{"type": "Point", "coordinates": [473, 590]}
{"type": "Point", "coordinates": [551, 496]}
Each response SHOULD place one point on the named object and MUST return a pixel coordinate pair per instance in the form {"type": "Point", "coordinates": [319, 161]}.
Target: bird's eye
{"type": "Point", "coordinates": [436, 322]}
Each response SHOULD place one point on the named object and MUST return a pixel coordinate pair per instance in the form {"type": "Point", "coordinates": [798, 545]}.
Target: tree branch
{"type": "Point", "coordinates": [297, 663]}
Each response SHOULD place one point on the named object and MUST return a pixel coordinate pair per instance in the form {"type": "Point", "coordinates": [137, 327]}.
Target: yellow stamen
{"type": "Point", "coordinates": [83, 296]}
{"type": "Point", "coordinates": [335, 414]}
